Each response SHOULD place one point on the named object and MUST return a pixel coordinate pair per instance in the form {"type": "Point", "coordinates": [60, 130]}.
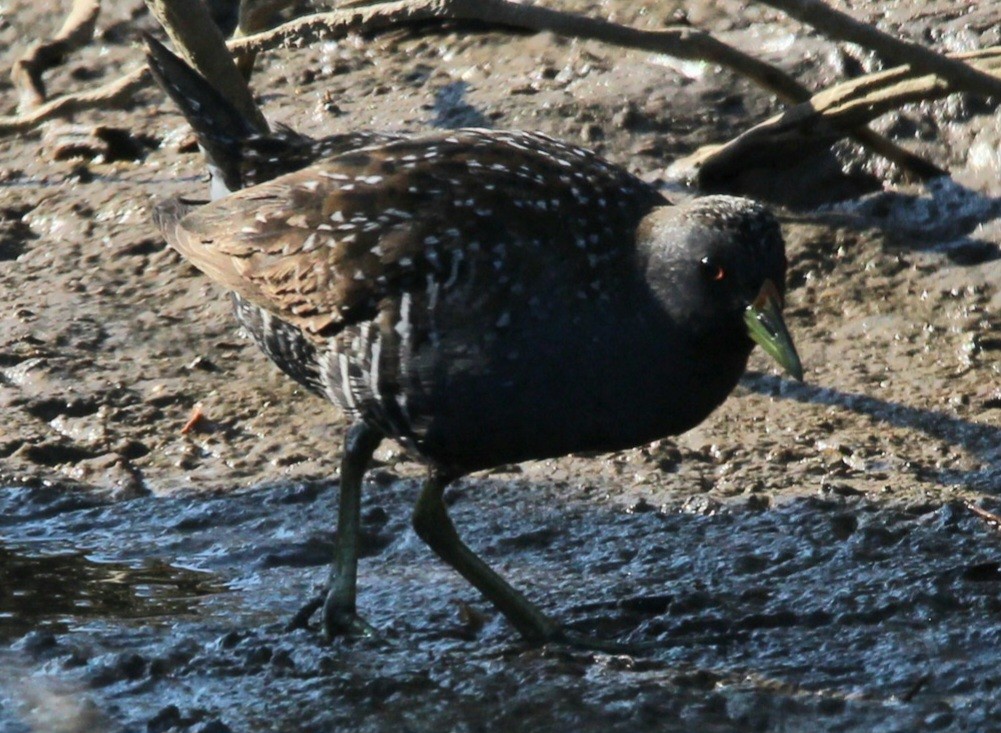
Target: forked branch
{"type": "Point", "coordinates": [680, 42]}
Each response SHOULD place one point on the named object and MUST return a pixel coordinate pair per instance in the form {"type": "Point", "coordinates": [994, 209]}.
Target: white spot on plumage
{"type": "Point", "coordinates": [345, 367]}
{"type": "Point", "coordinates": [454, 274]}
{"type": "Point", "coordinates": [373, 372]}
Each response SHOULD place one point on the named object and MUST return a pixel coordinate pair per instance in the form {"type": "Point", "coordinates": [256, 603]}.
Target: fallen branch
{"type": "Point", "coordinates": [197, 38]}
{"type": "Point", "coordinates": [990, 517]}
{"type": "Point", "coordinates": [822, 120]}
{"type": "Point", "coordinates": [76, 32]}
{"type": "Point", "coordinates": [836, 24]}
{"type": "Point", "coordinates": [255, 16]}
{"type": "Point", "coordinates": [118, 93]}
{"type": "Point", "coordinates": [681, 42]}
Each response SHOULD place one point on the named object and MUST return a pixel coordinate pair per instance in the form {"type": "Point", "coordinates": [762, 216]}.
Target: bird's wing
{"type": "Point", "coordinates": [321, 247]}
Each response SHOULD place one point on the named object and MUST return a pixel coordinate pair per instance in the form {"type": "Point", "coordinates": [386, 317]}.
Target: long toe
{"type": "Point", "coordinates": [339, 621]}
{"type": "Point", "coordinates": [304, 614]}
{"type": "Point", "coordinates": [606, 646]}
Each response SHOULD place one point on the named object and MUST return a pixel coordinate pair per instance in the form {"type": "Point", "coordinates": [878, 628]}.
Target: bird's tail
{"type": "Point", "coordinates": [167, 215]}
{"type": "Point", "coordinates": [221, 130]}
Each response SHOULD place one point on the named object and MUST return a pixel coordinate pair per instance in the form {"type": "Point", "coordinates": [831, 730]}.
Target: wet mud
{"type": "Point", "coordinates": [815, 556]}
{"type": "Point", "coordinates": [834, 610]}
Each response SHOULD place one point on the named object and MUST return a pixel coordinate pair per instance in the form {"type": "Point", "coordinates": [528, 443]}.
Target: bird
{"type": "Point", "coordinates": [482, 297]}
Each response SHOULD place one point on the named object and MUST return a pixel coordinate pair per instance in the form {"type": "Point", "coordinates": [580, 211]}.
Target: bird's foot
{"type": "Point", "coordinates": [337, 621]}
{"type": "Point", "coordinates": [346, 623]}
{"type": "Point", "coordinates": [562, 637]}
{"type": "Point", "coordinates": [304, 614]}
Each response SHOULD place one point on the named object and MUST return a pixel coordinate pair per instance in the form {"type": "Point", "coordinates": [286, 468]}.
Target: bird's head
{"type": "Point", "coordinates": [718, 266]}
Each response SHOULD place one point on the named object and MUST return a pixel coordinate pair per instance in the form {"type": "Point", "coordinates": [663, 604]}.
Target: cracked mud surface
{"type": "Point", "coordinates": [804, 559]}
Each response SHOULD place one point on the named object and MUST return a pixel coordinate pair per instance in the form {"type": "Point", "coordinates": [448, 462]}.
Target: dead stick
{"type": "Point", "coordinates": [984, 514]}
{"type": "Point", "coordinates": [198, 39]}
{"type": "Point", "coordinates": [76, 31]}
{"type": "Point", "coordinates": [680, 42]}
{"type": "Point", "coordinates": [115, 94]}
{"type": "Point", "coordinates": [255, 16]}
{"type": "Point", "coordinates": [822, 120]}
{"type": "Point", "coordinates": [840, 25]}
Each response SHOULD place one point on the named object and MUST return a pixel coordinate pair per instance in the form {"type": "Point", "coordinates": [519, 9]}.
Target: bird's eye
{"type": "Point", "coordinates": [712, 270]}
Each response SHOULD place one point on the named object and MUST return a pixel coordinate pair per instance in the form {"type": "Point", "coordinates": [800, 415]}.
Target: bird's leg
{"type": "Point", "coordinates": [433, 525]}
{"type": "Point", "coordinates": [339, 612]}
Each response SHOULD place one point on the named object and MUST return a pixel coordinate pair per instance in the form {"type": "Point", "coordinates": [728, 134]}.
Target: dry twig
{"type": "Point", "coordinates": [118, 93]}
{"type": "Point", "coordinates": [199, 40]}
{"type": "Point", "coordinates": [194, 419]}
{"type": "Point", "coordinates": [681, 42]}
{"type": "Point", "coordinates": [76, 32]}
{"type": "Point", "coordinates": [984, 514]}
{"type": "Point", "coordinates": [255, 16]}
{"type": "Point", "coordinates": [822, 120]}
{"type": "Point", "coordinates": [835, 24]}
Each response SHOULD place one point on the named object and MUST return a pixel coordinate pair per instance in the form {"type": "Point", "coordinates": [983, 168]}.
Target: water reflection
{"type": "Point", "coordinates": [52, 590]}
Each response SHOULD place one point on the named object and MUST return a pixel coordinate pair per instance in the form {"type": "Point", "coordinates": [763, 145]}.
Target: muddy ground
{"type": "Point", "coordinates": [804, 560]}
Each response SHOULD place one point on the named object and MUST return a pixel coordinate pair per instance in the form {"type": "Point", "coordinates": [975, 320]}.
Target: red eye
{"type": "Point", "coordinates": [712, 270]}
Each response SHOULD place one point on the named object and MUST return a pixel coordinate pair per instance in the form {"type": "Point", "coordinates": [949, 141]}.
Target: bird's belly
{"type": "Point", "coordinates": [519, 404]}
{"type": "Point", "coordinates": [471, 398]}
{"type": "Point", "coordinates": [514, 425]}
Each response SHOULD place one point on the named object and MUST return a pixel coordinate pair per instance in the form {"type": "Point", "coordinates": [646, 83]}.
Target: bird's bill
{"type": "Point", "coordinates": [766, 328]}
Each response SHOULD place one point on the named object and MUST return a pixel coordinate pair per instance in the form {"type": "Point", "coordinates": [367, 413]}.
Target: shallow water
{"type": "Point", "coordinates": [829, 612]}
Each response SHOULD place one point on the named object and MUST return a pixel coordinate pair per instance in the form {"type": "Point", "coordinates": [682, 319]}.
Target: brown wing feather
{"type": "Point", "coordinates": [321, 247]}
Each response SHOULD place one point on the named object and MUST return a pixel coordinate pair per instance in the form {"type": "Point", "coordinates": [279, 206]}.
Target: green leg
{"type": "Point", "coordinates": [433, 525]}
{"type": "Point", "coordinates": [339, 613]}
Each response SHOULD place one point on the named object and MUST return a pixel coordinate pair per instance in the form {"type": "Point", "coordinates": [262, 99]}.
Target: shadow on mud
{"type": "Point", "coordinates": [943, 219]}
{"type": "Point", "coordinates": [981, 440]}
